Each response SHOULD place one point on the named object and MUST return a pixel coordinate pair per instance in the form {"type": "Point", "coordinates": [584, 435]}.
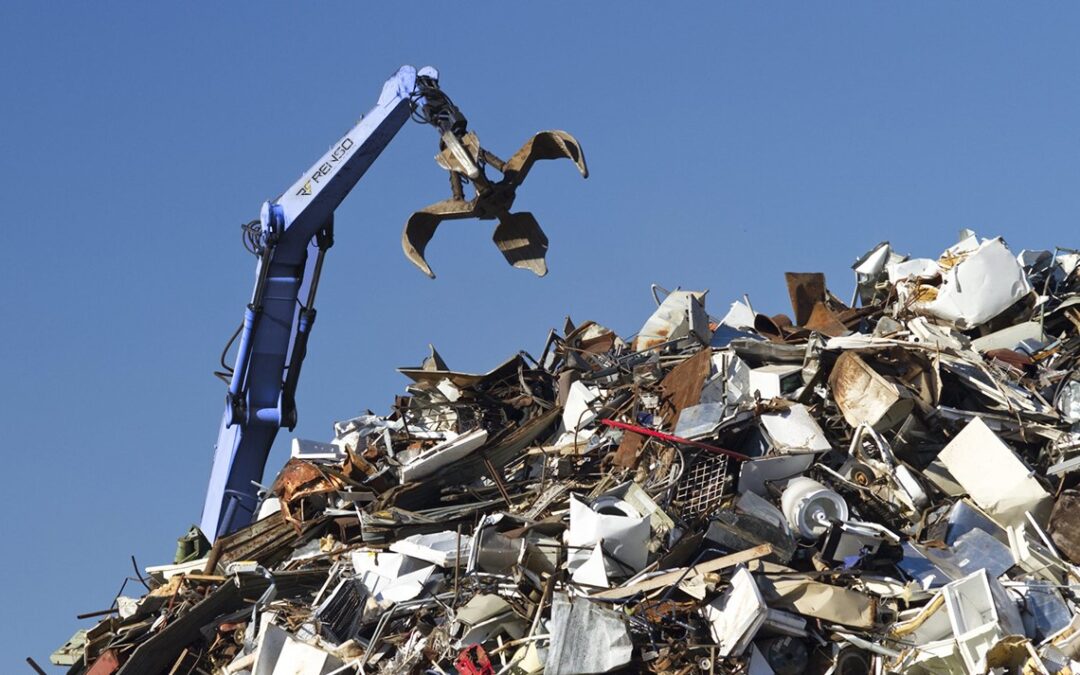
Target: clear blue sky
{"type": "Point", "coordinates": [728, 143]}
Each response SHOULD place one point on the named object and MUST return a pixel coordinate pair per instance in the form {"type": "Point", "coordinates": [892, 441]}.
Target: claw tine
{"type": "Point", "coordinates": [572, 149]}
{"type": "Point", "coordinates": [420, 228]}
{"type": "Point", "coordinates": [546, 145]}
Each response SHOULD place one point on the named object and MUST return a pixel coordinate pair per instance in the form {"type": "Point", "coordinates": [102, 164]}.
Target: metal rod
{"type": "Point", "coordinates": [675, 439]}
{"type": "Point", "coordinates": [103, 612]}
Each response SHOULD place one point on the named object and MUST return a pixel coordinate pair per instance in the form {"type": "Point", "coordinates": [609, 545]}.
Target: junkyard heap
{"type": "Point", "coordinates": [885, 485]}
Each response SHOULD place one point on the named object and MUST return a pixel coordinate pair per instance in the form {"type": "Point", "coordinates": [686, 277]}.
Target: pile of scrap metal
{"type": "Point", "coordinates": [889, 485]}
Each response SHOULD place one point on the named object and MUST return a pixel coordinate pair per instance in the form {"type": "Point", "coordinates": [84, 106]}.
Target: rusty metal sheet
{"type": "Point", "coordinates": [106, 664]}
{"type": "Point", "coordinates": [629, 448]}
{"type": "Point", "coordinates": [806, 289]}
{"type": "Point", "coordinates": [865, 396]}
{"type": "Point", "coordinates": [778, 328]}
{"type": "Point", "coordinates": [264, 540]}
{"type": "Point", "coordinates": [300, 479]}
{"type": "Point", "coordinates": [825, 321]}
{"type": "Point", "coordinates": [682, 386]}
{"type": "Point", "coordinates": [461, 380]}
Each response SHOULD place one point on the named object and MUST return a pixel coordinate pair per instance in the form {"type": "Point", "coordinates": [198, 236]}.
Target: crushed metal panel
{"type": "Point", "coordinates": [997, 480]}
{"type": "Point", "coordinates": [682, 386]}
{"type": "Point", "coordinates": [736, 615]}
{"type": "Point", "coordinates": [445, 549]}
{"type": "Point", "coordinates": [795, 430]}
{"type": "Point", "coordinates": [1012, 337]}
{"type": "Point", "coordinates": [442, 455]}
{"type": "Point", "coordinates": [618, 527]}
{"type": "Point", "coordinates": [673, 319]}
{"type": "Point", "coordinates": [757, 474]}
{"type": "Point", "coordinates": [866, 397]}
{"type": "Point", "coordinates": [586, 638]}
{"type": "Point", "coordinates": [160, 651]}
{"type": "Point", "coordinates": [984, 283]}
{"type": "Point", "coordinates": [265, 540]}
{"type": "Point", "coordinates": [800, 594]}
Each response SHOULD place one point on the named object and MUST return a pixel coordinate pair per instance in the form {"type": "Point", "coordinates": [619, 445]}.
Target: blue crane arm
{"type": "Point", "coordinates": [292, 236]}
{"type": "Point", "coordinates": [273, 339]}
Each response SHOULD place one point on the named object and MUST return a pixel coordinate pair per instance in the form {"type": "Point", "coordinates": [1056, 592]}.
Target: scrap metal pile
{"type": "Point", "coordinates": [885, 485]}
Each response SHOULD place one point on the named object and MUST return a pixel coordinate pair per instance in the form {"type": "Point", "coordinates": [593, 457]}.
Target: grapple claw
{"type": "Point", "coordinates": [518, 236]}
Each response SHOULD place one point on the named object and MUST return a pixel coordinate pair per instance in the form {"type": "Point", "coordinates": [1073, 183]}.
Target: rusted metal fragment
{"type": "Point", "coordinates": [266, 540]}
{"type": "Point", "coordinates": [682, 386]}
{"type": "Point", "coordinates": [107, 663]}
{"type": "Point", "coordinates": [806, 290]}
{"type": "Point", "coordinates": [778, 328]}
{"type": "Point", "coordinates": [680, 315]}
{"type": "Point", "coordinates": [865, 396]}
{"type": "Point", "coordinates": [301, 479]}
{"type": "Point", "coordinates": [160, 652]}
{"type": "Point", "coordinates": [461, 380]}
{"type": "Point", "coordinates": [1065, 525]}
{"type": "Point", "coordinates": [629, 448]}
{"type": "Point", "coordinates": [825, 321]}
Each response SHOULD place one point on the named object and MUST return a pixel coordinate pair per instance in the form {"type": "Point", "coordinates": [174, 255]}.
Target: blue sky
{"type": "Point", "coordinates": [727, 144]}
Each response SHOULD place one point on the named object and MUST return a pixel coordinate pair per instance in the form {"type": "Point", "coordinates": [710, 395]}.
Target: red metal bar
{"type": "Point", "coordinates": [674, 439]}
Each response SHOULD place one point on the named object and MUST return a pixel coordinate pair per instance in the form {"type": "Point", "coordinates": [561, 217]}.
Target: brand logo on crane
{"type": "Point", "coordinates": [324, 169]}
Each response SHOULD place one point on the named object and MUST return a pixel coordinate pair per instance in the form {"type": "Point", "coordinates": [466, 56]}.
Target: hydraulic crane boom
{"type": "Point", "coordinates": [272, 341]}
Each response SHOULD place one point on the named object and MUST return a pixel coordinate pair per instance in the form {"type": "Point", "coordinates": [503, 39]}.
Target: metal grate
{"type": "Point", "coordinates": [700, 489]}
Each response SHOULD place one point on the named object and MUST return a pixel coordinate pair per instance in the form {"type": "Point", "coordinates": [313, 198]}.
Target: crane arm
{"type": "Point", "coordinates": [291, 239]}
{"type": "Point", "coordinates": [260, 396]}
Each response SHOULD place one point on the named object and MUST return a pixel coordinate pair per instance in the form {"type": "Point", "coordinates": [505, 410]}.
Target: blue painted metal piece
{"type": "Point", "coordinates": [300, 221]}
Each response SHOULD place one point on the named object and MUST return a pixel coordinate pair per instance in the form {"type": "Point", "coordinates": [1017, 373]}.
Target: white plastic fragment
{"type": "Point", "coordinates": [980, 614]}
{"type": "Point", "coordinates": [577, 413]}
{"type": "Point", "coordinates": [279, 653]}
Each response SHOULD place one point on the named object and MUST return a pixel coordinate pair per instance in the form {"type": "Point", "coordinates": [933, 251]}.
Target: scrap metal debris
{"type": "Point", "coordinates": [891, 485]}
